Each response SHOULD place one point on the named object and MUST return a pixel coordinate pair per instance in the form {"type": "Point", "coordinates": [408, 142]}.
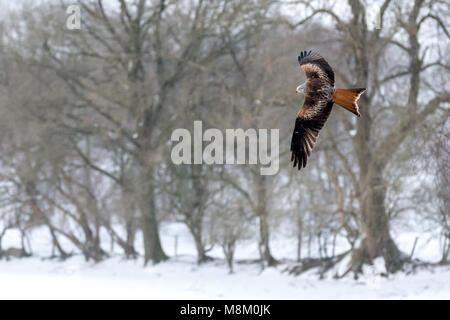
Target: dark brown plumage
{"type": "Point", "coordinates": [320, 96]}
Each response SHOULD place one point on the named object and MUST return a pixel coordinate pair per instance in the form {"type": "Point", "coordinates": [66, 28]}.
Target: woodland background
{"type": "Point", "coordinates": [86, 118]}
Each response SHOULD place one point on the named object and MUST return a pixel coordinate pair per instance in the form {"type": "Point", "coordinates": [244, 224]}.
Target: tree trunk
{"type": "Point", "coordinates": [2, 234]}
{"type": "Point", "coordinates": [130, 227]}
{"type": "Point", "coordinates": [299, 237]}
{"type": "Point", "coordinates": [57, 245]}
{"type": "Point", "coordinates": [197, 211]}
{"type": "Point", "coordinates": [153, 250]}
{"type": "Point", "coordinates": [202, 257]}
{"type": "Point", "coordinates": [377, 239]}
{"type": "Point", "coordinates": [228, 249]}
{"type": "Point", "coordinates": [266, 255]}
{"type": "Point", "coordinates": [375, 223]}
{"type": "Point", "coordinates": [445, 249]}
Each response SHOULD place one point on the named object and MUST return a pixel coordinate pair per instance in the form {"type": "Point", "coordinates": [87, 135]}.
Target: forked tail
{"type": "Point", "coordinates": [347, 98]}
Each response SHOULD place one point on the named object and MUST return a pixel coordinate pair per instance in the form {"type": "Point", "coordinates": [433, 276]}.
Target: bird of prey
{"type": "Point", "coordinates": [320, 95]}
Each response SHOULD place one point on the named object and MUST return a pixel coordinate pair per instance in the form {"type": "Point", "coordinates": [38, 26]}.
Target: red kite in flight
{"type": "Point", "coordinates": [320, 95]}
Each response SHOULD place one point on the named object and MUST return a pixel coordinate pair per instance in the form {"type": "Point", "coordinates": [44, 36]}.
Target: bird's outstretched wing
{"type": "Point", "coordinates": [306, 132]}
{"type": "Point", "coordinates": [315, 66]}
{"type": "Point", "coordinates": [315, 110]}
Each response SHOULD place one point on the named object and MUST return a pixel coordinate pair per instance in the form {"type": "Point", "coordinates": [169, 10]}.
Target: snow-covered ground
{"type": "Point", "coordinates": [181, 278]}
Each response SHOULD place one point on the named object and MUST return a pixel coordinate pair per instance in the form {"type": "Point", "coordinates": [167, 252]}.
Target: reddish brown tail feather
{"type": "Point", "coordinates": [347, 99]}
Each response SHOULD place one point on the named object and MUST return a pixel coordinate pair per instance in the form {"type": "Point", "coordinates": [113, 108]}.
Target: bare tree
{"type": "Point", "coordinates": [374, 149]}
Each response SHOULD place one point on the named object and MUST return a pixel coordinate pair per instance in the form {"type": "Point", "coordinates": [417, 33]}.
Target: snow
{"type": "Point", "coordinates": [181, 278]}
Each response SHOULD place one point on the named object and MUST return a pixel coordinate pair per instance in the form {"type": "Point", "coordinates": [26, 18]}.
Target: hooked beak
{"type": "Point", "coordinates": [300, 89]}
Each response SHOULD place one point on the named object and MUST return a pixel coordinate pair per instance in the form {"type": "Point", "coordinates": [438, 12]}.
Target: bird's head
{"type": "Point", "coordinates": [301, 89]}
